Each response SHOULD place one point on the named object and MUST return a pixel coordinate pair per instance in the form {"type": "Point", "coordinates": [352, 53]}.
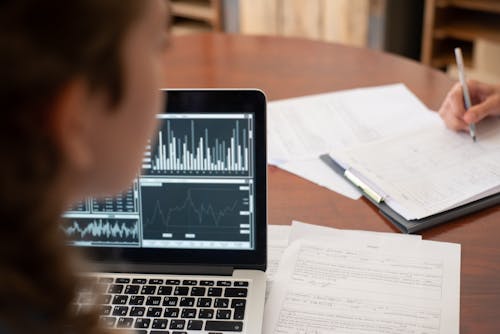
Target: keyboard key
{"type": "Point", "coordinates": [204, 302]}
{"type": "Point", "coordinates": [122, 280]}
{"type": "Point", "coordinates": [108, 321]}
{"type": "Point", "coordinates": [206, 313]}
{"type": "Point", "coordinates": [132, 289]}
{"type": "Point", "coordinates": [189, 282]}
{"type": "Point", "coordinates": [148, 290]}
{"type": "Point", "coordinates": [106, 280]}
{"type": "Point", "coordinates": [172, 282]}
{"type": "Point", "coordinates": [188, 313]}
{"type": "Point", "coordinates": [171, 312]}
{"type": "Point", "coordinates": [103, 299]}
{"type": "Point", "coordinates": [139, 281]}
{"type": "Point", "coordinates": [236, 292]}
{"type": "Point", "coordinates": [240, 283]}
{"type": "Point", "coordinates": [159, 324]}
{"type": "Point", "coordinates": [137, 311]}
{"type": "Point", "coordinates": [207, 283]}
{"type": "Point", "coordinates": [214, 292]}
{"type": "Point", "coordinates": [197, 291]}
{"type": "Point", "coordinates": [186, 302]}
{"type": "Point", "coordinates": [120, 310]}
{"type": "Point", "coordinates": [141, 331]}
{"type": "Point", "coordinates": [221, 303]}
{"type": "Point", "coordinates": [136, 300]}
{"type": "Point", "coordinates": [180, 332]}
{"type": "Point", "coordinates": [115, 288]}
{"type": "Point", "coordinates": [153, 300]}
{"type": "Point", "coordinates": [224, 283]}
{"type": "Point", "coordinates": [159, 332]}
{"type": "Point", "coordinates": [86, 298]}
{"type": "Point", "coordinates": [223, 314]}
{"type": "Point", "coordinates": [165, 290]}
{"type": "Point", "coordinates": [101, 288]}
{"type": "Point", "coordinates": [170, 301]}
{"type": "Point", "coordinates": [155, 281]}
{"type": "Point", "coordinates": [105, 310]}
{"type": "Point", "coordinates": [154, 312]}
{"type": "Point", "coordinates": [181, 291]}
{"type": "Point", "coordinates": [120, 300]}
{"type": "Point", "coordinates": [142, 323]}
{"type": "Point", "coordinates": [228, 326]}
{"type": "Point", "coordinates": [239, 313]}
{"type": "Point", "coordinates": [124, 322]}
{"type": "Point", "coordinates": [177, 324]}
{"type": "Point", "coordinates": [195, 325]}
{"type": "Point", "coordinates": [238, 303]}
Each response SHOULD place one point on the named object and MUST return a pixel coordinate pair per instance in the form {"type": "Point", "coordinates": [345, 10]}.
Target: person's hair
{"type": "Point", "coordinates": [44, 45]}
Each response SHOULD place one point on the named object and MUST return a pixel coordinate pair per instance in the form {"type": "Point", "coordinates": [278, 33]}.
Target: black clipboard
{"type": "Point", "coordinates": [413, 226]}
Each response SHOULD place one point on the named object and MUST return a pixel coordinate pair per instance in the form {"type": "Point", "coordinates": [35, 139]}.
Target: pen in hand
{"type": "Point", "coordinates": [465, 90]}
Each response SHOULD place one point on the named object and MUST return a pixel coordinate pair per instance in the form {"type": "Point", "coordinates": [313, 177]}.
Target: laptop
{"type": "Point", "coordinates": [183, 250]}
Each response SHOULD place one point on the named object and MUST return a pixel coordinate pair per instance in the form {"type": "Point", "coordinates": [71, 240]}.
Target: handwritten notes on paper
{"type": "Point", "coordinates": [432, 169]}
{"type": "Point", "coordinates": [365, 284]}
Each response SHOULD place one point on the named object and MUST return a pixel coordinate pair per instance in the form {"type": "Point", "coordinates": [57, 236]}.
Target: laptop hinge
{"type": "Point", "coordinates": [163, 269]}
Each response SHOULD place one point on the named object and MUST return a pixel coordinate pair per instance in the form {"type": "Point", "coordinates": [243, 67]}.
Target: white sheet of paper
{"type": "Point", "coordinates": [306, 127]}
{"type": "Point", "coordinates": [304, 231]}
{"type": "Point", "coordinates": [359, 286]}
{"type": "Point", "coordinates": [277, 242]}
{"type": "Point", "coordinates": [431, 169]}
{"type": "Point", "coordinates": [318, 172]}
{"type": "Point", "coordinates": [301, 129]}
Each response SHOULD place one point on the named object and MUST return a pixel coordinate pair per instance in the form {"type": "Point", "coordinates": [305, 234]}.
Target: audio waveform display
{"type": "Point", "coordinates": [201, 146]}
{"type": "Point", "coordinates": [92, 231]}
{"type": "Point", "coordinates": [196, 211]}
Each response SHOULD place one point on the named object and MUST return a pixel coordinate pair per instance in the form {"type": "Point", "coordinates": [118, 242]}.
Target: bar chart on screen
{"type": "Point", "coordinates": [201, 145]}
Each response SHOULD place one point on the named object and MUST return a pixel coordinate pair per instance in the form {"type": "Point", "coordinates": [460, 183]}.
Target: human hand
{"type": "Point", "coordinates": [485, 99]}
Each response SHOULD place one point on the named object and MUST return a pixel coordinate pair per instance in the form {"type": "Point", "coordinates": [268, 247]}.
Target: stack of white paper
{"type": "Point", "coordinates": [301, 129]}
{"type": "Point", "coordinates": [430, 169]}
{"type": "Point", "coordinates": [336, 281]}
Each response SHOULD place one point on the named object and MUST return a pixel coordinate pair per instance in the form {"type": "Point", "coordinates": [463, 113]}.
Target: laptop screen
{"type": "Point", "coordinates": [195, 190]}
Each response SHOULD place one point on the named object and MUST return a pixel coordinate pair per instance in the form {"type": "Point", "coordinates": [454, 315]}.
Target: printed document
{"type": "Point", "coordinates": [373, 286]}
{"type": "Point", "coordinates": [277, 242]}
{"type": "Point", "coordinates": [301, 129]}
{"type": "Point", "coordinates": [304, 231]}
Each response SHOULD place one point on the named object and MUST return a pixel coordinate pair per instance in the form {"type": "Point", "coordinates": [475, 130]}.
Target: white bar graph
{"type": "Point", "coordinates": [190, 151]}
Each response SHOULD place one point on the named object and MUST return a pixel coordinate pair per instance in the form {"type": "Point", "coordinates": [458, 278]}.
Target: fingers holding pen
{"type": "Point", "coordinates": [452, 110]}
{"type": "Point", "coordinates": [490, 106]}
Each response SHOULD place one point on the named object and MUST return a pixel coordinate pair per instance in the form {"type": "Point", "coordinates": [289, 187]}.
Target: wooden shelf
{"type": "Point", "coordinates": [185, 28]}
{"type": "Point", "coordinates": [458, 23]}
{"type": "Point", "coordinates": [491, 6]}
{"type": "Point", "coordinates": [199, 10]}
{"type": "Point", "coordinates": [190, 16]}
{"type": "Point", "coordinates": [470, 30]}
{"type": "Point", "coordinates": [443, 59]}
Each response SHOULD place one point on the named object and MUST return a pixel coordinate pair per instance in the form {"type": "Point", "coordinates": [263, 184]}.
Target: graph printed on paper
{"type": "Point", "coordinates": [201, 145]}
{"type": "Point", "coordinates": [197, 213]}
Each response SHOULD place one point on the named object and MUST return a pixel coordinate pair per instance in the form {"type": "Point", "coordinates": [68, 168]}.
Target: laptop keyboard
{"type": "Point", "coordinates": [173, 306]}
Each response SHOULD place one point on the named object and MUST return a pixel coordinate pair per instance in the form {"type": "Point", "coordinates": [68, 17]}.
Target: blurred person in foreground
{"type": "Point", "coordinates": [79, 92]}
{"type": "Point", "coordinates": [485, 99]}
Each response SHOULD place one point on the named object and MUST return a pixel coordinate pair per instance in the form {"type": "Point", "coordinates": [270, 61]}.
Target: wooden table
{"type": "Point", "coordinates": [286, 68]}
